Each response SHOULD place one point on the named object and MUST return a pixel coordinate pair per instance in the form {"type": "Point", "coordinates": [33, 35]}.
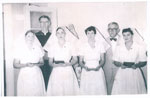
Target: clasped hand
{"type": "Point", "coordinates": [30, 64]}
{"type": "Point", "coordinates": [62, 64]}
{"type": "Point", "coordinates": [93, 69]}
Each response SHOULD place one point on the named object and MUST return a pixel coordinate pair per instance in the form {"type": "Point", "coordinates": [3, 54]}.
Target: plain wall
{"type": "Point", "coordinates": [82, 15]}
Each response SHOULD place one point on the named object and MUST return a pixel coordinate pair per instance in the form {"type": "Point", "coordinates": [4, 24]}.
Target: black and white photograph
{"type": "Point", "coordinates": [75, 48]}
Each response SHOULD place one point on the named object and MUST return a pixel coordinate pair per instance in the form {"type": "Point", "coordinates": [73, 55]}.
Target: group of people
{"type": "Point", "coordinates": [104, 71]}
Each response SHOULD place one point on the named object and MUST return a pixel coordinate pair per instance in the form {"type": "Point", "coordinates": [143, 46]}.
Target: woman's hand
{"type": "Point", "coordinates": [86, 68]}
{"type": "Point", "coordinates": [29, 64]}
{"type": "Point", "coordinates": [117, 63]}
{"type": "Point", "coordinates": [123, 67]}
{"type": "Point", "coordinates": [64, 64]}
{"type": "Point", "coordinates": [61, 65]}
{"type": "Point", "coordinates": [134, 66]}
{"type": "Point", "coordinates": [91, 69]}
{"type": "Point", "coordinates": [97, 68]}
{"type": "Point", "coordinates": [68, 64]}
{"type": "Point", "coordinates": [58, 65]}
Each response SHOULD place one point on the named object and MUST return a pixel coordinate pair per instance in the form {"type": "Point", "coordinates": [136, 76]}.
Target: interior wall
{"type": "Point", "coordinates": [82, 15]}
{"type": "Point", "coordinates": [13, 27]}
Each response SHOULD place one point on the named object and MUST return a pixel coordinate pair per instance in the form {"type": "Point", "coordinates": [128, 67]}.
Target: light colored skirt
{"type": "Point", "coordinates": [62, 82]}
{"type": "Point", "coordinates": [30, 82]}
{"type": "Point", "coordinates": [129, 81]}
{"type": "Point", "coordinates": [93, 83]}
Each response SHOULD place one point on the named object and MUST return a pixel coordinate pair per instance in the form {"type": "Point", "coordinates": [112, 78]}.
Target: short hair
{"type": "Point", "coordinates": [44, 16]}
{"type": "Point", "coordinates": [115, 23]}
{"type": "Point", "coordinates": [29, 31]}
{"type": "Point", "coordinates": [90, 28]}
{"type": "Point", "coordinates": [127, 30]}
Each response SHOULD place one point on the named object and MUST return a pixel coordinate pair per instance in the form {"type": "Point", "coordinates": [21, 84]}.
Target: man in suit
{"type": "Point", "coordinates": [109, 68]}
{"type": "Point", "coordinates": [43, 35]}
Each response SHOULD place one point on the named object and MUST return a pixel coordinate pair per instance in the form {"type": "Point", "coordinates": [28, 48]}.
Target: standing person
{"type": "Point", "coordinates": [28, 58]}
{"type": "Point", "coordinates": [129, 57]}
{"type": "Point", "coordinates": [91, 60]}
{"type": "Point", "coordinates": [63, 80]}
{"type": "Point", "coordinates": [43, 36]}
{"type": "Point", "coordinates": [110, 69]}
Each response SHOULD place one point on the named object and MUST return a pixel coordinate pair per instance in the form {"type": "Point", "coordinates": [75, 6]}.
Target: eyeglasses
{"type": "Point", "coordinates": [112, 29]}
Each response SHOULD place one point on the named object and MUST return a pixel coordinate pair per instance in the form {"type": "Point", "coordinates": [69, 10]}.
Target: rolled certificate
{"type": "Point", "coordinates": [128, 64]}
{"type": "Point", "coordinates": [58, 62]}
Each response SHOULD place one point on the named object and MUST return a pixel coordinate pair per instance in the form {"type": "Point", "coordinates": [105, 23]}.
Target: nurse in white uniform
{"type": "Point", "coordinates": [63, 80]}
{"type": "Point", "coordinates": [129, 57]}
{"type": "Point", "coordinates": [91, 60]}
{"type": "Point", "coordinates": [28, 58]}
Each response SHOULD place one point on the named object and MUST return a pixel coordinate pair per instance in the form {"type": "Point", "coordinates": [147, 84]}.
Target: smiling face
{"type": "Point", "coordinates": [127, 36]}
{"type": "Point", "coordinates": [60, 33]}
{"type": "Point", "coordinates": [30, 37]}
{"type": "Point", "coordinates": [90, 34]}
{"type": "Point", "coordinates": [113, 30]}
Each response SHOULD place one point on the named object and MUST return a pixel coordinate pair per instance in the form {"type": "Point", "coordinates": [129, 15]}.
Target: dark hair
{"type": "Point", "coordinates": [44, 16]}
{"type": "Point", "coordinates": [91, 28]}
{"type": "Point", "coordinates": [29, 31]}
{"type": "Point", "coordinates": [127, 30]}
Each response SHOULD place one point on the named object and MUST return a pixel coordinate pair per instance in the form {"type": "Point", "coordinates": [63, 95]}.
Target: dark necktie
{"type": "Point", "coordinates": [113, 39]}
